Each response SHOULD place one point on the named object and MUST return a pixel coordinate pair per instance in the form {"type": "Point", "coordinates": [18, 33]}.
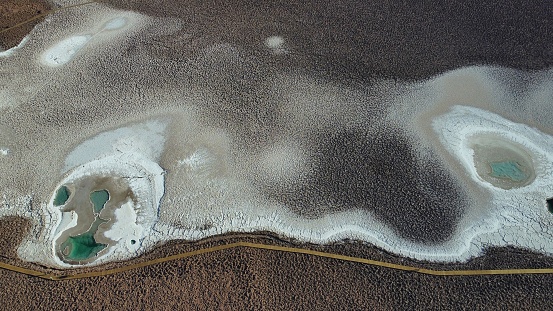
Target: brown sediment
{"type": "Point", "coordinates": [257, 279]}
{"type": "Point", "coordinates": [12, 231]}
{"type": "Point", "coordinates": [14, 12]}
{"type": "Point", "coordinates": [500, 258]}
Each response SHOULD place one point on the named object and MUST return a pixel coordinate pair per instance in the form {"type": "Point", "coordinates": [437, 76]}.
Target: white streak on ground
{"type": "Point", "coordinates": [10, 52]}
{"type": "Point", "coordinates": [62, 52]}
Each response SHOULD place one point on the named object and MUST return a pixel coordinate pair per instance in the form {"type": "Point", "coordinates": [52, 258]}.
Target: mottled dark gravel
{"type": "Point", "coordinates": [377, 171]}
{"type": "Point", "coordinates": [360, 39]}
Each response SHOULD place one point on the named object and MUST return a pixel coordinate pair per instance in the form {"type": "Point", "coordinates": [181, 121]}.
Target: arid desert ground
{"type": "Point", "coordinates": [419, 135]}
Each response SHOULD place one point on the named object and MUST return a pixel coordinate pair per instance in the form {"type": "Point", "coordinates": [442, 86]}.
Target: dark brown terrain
{"type": "Point", "coordinates": [364, 39]}
{"type": "Point", "coordinates": [254, 279]}
{"type": "Point", "coordinates": [13, 12]}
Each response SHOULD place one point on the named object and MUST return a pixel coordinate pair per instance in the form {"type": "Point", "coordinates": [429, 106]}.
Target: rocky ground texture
{"type": "Point", "coordinates": [255, 279]}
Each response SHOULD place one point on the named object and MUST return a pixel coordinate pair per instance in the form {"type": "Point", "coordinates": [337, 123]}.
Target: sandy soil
{"type": "Point", "coordinates": [12, 231]}
{"type": "Point", "coordinates": [258, 280]}
{"type": "Point", "coordinates": [13, 12]}
{"type": "Point", "coordinates": [252, 279]}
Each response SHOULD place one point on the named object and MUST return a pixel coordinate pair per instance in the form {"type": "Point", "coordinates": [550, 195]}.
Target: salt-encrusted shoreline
{"type": "Point", "coordinates": [130, 153]}
{"type": "Point", "coordinates": [214, 170]}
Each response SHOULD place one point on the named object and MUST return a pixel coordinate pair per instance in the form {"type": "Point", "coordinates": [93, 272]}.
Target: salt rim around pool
{"type": "Point", "coordinates": [129, 153]}
{"type": "Point", "coordinates": [502, 163]}
{"type": "Point", "coordinates": [138, 216]}
{"type": "Point", "coordinates": [465, 129]}
{"type": "Point", "coordinates": [520, 213]}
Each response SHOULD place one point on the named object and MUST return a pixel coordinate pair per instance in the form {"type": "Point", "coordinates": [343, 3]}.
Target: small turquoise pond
{"type": "Point", "coordinates": [62, 196]}
{"type": "Point", "coordinates": [99, 199]}
{"type": "Point", "coordinates": [84, 246]}
{"type": "Point", "coordinates": [508, 169]}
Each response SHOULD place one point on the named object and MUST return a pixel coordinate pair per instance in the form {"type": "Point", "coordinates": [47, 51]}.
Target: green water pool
{"type": "Point", "coordinates": [508, 169]}
{"type": "Point", "coordinates": [62, 196]}
{"type": "Point", "coordinates": [83, 246]}
{"type": "Point", "coordinates": [99, 199]}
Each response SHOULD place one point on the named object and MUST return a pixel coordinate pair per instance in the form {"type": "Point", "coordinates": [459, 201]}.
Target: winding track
{"type": "Point", "coordinates": [70, 276]}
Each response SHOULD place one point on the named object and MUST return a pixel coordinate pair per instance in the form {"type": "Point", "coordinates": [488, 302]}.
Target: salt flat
{"type": "Point", "coordinates": [222, 138]}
